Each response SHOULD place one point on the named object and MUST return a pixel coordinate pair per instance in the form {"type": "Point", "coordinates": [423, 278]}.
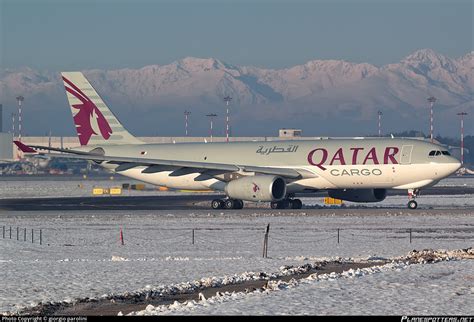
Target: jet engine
{"type": "Point", "coordinates": [359, 195]}
{"type": "Point", "coordinates": [257, 188]}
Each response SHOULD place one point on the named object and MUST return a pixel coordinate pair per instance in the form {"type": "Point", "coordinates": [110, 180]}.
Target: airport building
{"type": "Point", "coordinates": [290, 133]}
{"type": "Point", "coordinates": [6, 148]}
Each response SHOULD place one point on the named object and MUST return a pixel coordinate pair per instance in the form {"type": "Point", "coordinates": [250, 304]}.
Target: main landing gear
{"type": "Point", "coordinates": [287, 204]}
{"type": "Point", "coordinates": [412, 194]}
{"type": "Point", "coordinates": [227, 204]}
{"type": "Point", "coordinates": [239, 204]}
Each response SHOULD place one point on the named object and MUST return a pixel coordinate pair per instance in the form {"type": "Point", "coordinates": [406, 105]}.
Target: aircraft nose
{"type": "Point", "coordinates": [454, 165]}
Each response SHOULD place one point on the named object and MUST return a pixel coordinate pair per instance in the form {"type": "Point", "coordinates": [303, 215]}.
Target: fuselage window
{"type": "Point", "coordinates": [438, 153]}
{"type": "Point", "coordinates": [445, 153]}
{"type": "Point", "coordinates": [432, 153]}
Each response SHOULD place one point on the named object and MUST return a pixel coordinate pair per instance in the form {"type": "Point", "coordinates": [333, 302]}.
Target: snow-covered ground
{"type": "Point", "coordinates": [445, 288]}
{"type": "Point", "coordinates": [464, 181]}
{"type": "Point", "coordinates": [81, 255]}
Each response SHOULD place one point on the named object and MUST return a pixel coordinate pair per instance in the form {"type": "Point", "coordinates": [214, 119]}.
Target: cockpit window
{"type": "Point", "coordinates": [437, 152]}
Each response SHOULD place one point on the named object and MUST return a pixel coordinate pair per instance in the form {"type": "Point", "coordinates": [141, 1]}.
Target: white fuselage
{"type": "Point", "coordinates": [324, 164]}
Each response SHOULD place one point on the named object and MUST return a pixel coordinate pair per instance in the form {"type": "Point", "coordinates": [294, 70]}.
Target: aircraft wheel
{"type": "Point", "coordinates": [285, 204]}
{"type": "Point", "coordinates": [277, 205]}
{"type": "Point", "coordinates": [217, 204]}
{"type": "Point", "coordinates": [412, 204]}
{"type": "Point", "coordinates": [296, 204]}
{"type": "Point", "coordinates": [238, 204]}
{"type": "Point", "coordinates": [229, 204]}
{"type": "Point", "coordinates": [282, 204]}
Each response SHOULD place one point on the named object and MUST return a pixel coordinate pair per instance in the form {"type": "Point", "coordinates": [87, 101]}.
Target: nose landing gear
{"type": "Point", "coordinates": [412, 194]}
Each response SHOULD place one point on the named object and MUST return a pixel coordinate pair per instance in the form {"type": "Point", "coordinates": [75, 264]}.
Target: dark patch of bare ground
{"type": "Point", "coordinates": [127, 304]}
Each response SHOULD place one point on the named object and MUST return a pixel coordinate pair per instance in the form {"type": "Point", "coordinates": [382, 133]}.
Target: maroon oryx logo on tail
{"type": "Point", "coordinates": [89, 120]}
{"type": "Point", "coordinates": [255, 187]}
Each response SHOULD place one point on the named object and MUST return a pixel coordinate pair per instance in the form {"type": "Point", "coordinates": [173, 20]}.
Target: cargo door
{"type": "Point", "coordinates": [405, 157]}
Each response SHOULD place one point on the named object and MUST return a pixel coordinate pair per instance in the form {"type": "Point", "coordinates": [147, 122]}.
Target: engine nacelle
{"type": "Point", "coordinates": [359, 195]}
{"type": "Point", "coordinates": [257, 188]}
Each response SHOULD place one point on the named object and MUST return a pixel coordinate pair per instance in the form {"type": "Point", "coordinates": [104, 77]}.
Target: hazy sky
{"type": "Point", "coordinates": [57, 35]}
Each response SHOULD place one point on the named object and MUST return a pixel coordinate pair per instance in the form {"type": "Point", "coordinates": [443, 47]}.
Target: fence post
{"type": "Point", "coordinates": [121, 237]}
{"type": "Point", "coordinates": [265, 242]}
{"type": "Point", "coordinates": [32, 236]}
{"type": "Point", "coordinates": [41, 237]}
{"type": "Point", "coordinates": [193, 236]}
{"type": "Point", "coordinates": [17, 233]}
{"type": "Point", "coordinates": [410, 235]}
{"type": "Point", "coordinates": [10, 232]}
{"type": "Point", "coordinates": [3, 232]}
{"type": "Point", "coordinates": [24, 235]}
{"type": "Point", "coordinates": [338, 235]}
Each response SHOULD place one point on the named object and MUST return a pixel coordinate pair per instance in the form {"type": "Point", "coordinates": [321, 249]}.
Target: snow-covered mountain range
{"type": "Point", "coordinates": [324, 88]}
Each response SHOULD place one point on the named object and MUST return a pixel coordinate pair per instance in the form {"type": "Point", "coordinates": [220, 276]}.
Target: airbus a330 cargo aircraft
{"type": "Point", "coordinates": [359, 170]}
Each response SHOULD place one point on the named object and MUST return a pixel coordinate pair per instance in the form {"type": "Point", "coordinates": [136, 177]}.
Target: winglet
{"type": "Point", "coordinates": [24, 148]}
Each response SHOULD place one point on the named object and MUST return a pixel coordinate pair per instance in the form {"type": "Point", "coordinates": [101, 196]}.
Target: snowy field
{"type": "Point", "coordinates": [81, 254]}
{"type": "Point", "coordinates": [465, 181]}
{"type": "Point", "coordinates": [394, 290]}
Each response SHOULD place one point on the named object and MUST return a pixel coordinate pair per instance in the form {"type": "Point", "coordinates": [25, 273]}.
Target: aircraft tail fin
{"type": "Point", "coordinates": [95, 123]}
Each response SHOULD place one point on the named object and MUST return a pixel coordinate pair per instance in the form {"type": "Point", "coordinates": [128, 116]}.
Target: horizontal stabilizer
{"type": "Point", "coordinates": [24, 148]}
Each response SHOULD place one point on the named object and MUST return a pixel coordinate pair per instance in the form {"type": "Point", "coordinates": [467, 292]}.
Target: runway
{"type": "Point", "coordinates": [194, 201]}
{"type": "Point", "coordinates": [170, 202]}
{"type": "Point", "coordinates": [45, 193]}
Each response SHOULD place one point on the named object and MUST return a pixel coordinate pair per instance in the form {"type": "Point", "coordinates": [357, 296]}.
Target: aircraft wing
{"type": "Point", "coordinates": [178, 167]}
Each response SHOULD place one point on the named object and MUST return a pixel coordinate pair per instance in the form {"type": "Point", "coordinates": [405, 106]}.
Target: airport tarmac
{"type": "Point", "coordinates": [188, 201]}
{"type": "Point", "coordinates": [59, 193]}
{"type": "Point", "coordinates": [168, 202]}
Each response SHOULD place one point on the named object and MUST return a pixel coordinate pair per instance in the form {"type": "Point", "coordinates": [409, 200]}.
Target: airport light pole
{"type": "Point", "coordinates": [431, 100]}
{"type": "Point", "coordinates": [49, 139]}
{"type": "Point", "coordinates": [211, 117]}
{"type": "Point", "coordinates": [379, 113]}
{"type": "Point", "coordinates": [13, 124]}
{"type": "Point", "coordinates": [20, 100]}
{"type": "Point", "coordinates": [227, 100]}
{"type": "Point", "coordinates": [462, 114]}
{"type": "Point", "coordinates": [186, 115]}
